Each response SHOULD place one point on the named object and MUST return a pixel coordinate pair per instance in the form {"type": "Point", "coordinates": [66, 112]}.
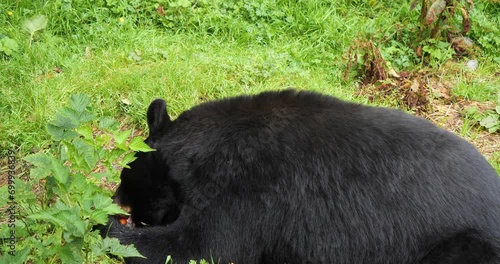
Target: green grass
{"type": "Point", "coordinates": [480, 88]}
{"type": "Point", "coordinates": [183, 74]}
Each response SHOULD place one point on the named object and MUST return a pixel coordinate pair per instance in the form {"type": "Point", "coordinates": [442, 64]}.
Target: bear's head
{"type": "Point", "coordinates": [146, 191]}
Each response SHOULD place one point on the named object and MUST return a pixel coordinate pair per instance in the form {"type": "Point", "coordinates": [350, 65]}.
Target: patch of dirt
{"type": "Point", "coordinates": [425, 92]}
{"type": "Point", "coordinates": [450, 116]}
{"type": "Point", "coordinates": [408, 89]}
{"type": "Point", "coordinates": [21, 168]}
{"type": "Point", "coordinates": [431, 97]}
{"type": "Point", "coordinates": [372, 66]}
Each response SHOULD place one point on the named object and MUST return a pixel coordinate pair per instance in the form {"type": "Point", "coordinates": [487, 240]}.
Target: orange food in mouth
{"type": "Point", "coordinates": [123, 221]}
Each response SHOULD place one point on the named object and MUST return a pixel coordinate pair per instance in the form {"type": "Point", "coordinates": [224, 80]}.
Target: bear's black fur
{"type": "Point", "coordinates": [298, 177]}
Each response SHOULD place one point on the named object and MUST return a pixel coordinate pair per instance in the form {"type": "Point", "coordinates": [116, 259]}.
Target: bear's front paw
{"type": "Point", "coordinates": [115, 225]}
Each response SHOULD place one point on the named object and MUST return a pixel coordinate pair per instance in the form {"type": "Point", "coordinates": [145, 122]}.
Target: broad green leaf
{"type": "Point", "coordinates": [137, 144]}
{"type": "Point", "coordinates": [106, 122]}
{"type": "Point", "coordinates": [90, 159]}
{"type": "Point", "coordinates": [498, 109]}
{"type": "Point", "coordinates": [58, 133]}
{"type": "Point", "coordinates": [39, 159]}
{"type": "Point", "coordinates": [65, 120]}
{"type": "Point", "coordinates": [69, 152]}
{"type": "Point", "coordinates": [86, 152]}
{"type": "Point", "coordinates": [76, 226]}
{"type": "Point", "coordinates": [114, 154]}
{"type": "Point", "coordinates": [35, 24]}
{"type": "Point", "coordinates": [103, 202]}
{"type": "Point", "coordinates": [128, 159]}
{"type": "Point", "coordinates": [471, 111]}
{"type": "Point", "coordinates": [20, 256]}
{"type": "Point", "coordinates": [100, 201]}
{"type": "Point", "coordinates": [85, 131]}
{"type": "Point", "coordinates": [55, 132]}
{"type": "Point", "coordinates": [490, 121]}
{"type": "Point", "coordinates": [71, 215]}
{"type": "Point", "coordinates": [115, 248]}
{"type": "Point", "coordinates": [39, 173]}
{"type": "Point", "coordinates": [78, 182]}
{"type": "Point", "coordinates": [114, 209]}
{"type": "Point", "coordinates": [99, 217]}
{"type": "Point", "coordinates": [81, 146]}
{"type": "Point", "coordinates": [61, 172]}
{"type": "Point", "coordinates": [46, 216]}
{"type": "Point", "coordinates": [79, 102]}
{"type": "Point", "coordinates": [52, 239]}
{"type": "Point", "coordinates": [8, 45]}
{"type": "Point", "coordinates": [71, 252]}
{"type": "Point", "coordinates": [96, 244]}
{"type": "Point", "coordinates": [84, 117]}
{"type": "Point", "coordinates": [102, 140]}
{"type": "Point", "coordinates": [121, 137]}
{"type": "Point", "coordinates": [75, 116]}
{"type": "Point", "coordinates": [42, 165]}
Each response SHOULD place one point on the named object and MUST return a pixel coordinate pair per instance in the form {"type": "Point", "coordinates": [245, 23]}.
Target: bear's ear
{"type": "Point", "coordinates": [158, 119]}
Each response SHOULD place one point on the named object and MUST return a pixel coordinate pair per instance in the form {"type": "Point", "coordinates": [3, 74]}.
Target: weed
{"type": "Point", "coordinates": [61, 201]}
{"type": "Point", "coordinates": [486, 30]}
{"type": "Point", "coordinates": [34, 25]}
{"type": "Point", "coordinates": [364, 56]}
{"type": "Point", "coordinates": [436, 52]}
{"type": "Point", "coordinates": [492, 120]}
{"type": "Point", "coordinates": [8, 46]}
{"type": "Point", "coordinates": [445, 20]}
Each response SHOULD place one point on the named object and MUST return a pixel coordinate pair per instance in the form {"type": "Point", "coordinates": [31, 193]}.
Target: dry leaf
{"type": "Point", "coordinates": [435, 11]}
{"type": "Point", "coordinates": [160, 10]}
{"type": "Point", "coordinates": [465, 21]}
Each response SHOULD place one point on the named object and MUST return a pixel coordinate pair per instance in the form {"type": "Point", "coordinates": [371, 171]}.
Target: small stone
{"type": "Point", "coordinates": [472, 65]}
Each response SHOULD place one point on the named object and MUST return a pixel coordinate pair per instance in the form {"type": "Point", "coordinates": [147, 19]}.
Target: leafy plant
{"type": "Point", "coordinates": [441, 22]}
{"type": "Point", "coordinates": [63, 198]}
{"type": "Point", "coordinates": [399, 55]}
{"type": "Point", "coordinates": [437, 52]}
{"type": "Point", "coordinates": [486, 30]}
{"type": "Point", "coordinates": [35, 24]}
{"type": "Point", "coordinates": [441, 18]}
{"type": "Point", "coordinates": [366, 58]}
{"type": "Point", "coordinates": [492, 120]}
{"type": "Point", "coordinates": [7, 45]}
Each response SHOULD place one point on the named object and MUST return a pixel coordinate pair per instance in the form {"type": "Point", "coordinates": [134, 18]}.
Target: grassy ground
{"type": "Point", "coordinates": [125, 53]}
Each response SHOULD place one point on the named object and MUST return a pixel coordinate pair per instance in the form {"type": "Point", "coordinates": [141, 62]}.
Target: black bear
{"type": "Point", "coordinates": [299, 177]}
